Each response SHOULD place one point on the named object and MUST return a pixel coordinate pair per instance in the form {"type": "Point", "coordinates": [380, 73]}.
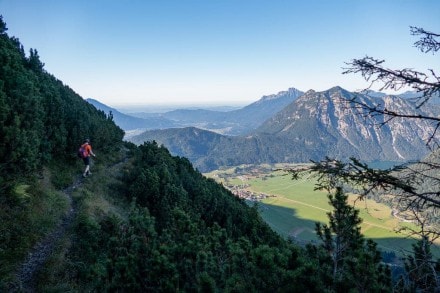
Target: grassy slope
{"type": "Point", "coordinates": [39, 207]}
{"type": "Point", "coordinates": [93, 198]}
{"type": "Point", "coordinates": [297, 206]}
{"type": "Point", "coordinates": [42, 206]}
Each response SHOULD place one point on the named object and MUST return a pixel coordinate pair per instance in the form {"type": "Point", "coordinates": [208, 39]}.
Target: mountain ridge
{"type": "Point", "coordinates": [315, 125]}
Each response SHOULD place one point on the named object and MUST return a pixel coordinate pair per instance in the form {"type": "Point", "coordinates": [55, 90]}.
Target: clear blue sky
{"type": "Point", "coordinates": [215, 51]}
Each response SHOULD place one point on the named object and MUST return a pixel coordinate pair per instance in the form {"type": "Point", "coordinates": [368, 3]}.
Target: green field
{"type": "Point", "coordinates": [294, 207]}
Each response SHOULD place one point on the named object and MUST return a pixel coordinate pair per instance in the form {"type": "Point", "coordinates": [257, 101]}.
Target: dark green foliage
{"type": "Point", "coordinates": [42, 121]}
{"type": "Point", "coordinates": [348, 261]}
{"type": "Point", "coordinates": [115, 254]}
{"type": "Point", "coordinates": [112, 254]}
{"type": "Point", "coordinates": [184, 233]}
{"type": "Point", "coordinates": [422, 271]}
{"type": "Point", "coordinates": [197, 235]}
{"type": "Point", "coordinates": [161, 182]}
{"type": "Point", "coordinates": [30, 212]}
{"type": "Point", "coordinates": [3, 27]}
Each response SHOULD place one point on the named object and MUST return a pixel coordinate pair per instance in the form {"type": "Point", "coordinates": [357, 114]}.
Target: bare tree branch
{"type": "Point", "coordinates": [332, 173]}
{"type": "Point", "coordinates": [427, 42]}
{"type": "Point", "coordinates": [373, 71]}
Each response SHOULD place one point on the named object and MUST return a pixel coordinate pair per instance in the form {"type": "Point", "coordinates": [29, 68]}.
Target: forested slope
{"type": "Point", "coordinates": [42, 123]}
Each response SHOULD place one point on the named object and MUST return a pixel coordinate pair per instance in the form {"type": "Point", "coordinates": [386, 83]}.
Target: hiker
{"type": "Point", "coordinates": [86, 156]}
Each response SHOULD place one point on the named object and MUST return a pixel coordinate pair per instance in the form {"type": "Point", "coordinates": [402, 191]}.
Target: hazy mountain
{"type": "Point", "coordinates": [240, 121]}
{"type": "Point", "coordinates": [127, 122]}
{"type": "Point", "coordinates": [373, 94]}
{"type": "Point", "coordinates": [405, 95]}
{"type": "Point", "coordinates": [236, 122]}
{"type": "Point", "coordinates": [416, 97]}
{"type": "Point", "coordinates": [315, 125]}
{"type": "Point", "coordinates": [143, 111]}
{"type": "Point", "coordinates": [253, 115]}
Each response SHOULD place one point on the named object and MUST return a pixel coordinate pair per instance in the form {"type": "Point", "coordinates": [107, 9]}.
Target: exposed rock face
{"type": "Point", "coordinates": [313, 126]}
{"type": "Point", "coordinates": [329, 121]}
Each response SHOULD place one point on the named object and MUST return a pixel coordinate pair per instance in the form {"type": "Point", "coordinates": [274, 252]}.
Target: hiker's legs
{"type": "Point", "coordinates": [86, 171]}
{"type": "Point", "coordinates": [87, 163]}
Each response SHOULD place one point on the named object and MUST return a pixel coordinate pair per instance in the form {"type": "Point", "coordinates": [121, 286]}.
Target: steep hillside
{"type": "Point", "coordinates": [42, 124]}
{"type": "Point", "coordinates": [315, 125]}
{"type": "Point", "coordinates": [41, 118]}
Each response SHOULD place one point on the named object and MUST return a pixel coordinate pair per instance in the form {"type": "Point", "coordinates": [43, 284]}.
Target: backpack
{"type": "Point", "coordinates": [82, 152]}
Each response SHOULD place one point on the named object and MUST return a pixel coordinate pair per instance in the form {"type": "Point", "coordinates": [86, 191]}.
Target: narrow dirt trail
{"type": "Point", "coordinates": [41, 251]}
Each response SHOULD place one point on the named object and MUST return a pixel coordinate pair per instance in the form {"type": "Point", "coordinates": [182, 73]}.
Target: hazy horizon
{"type": "Point", "coordinates": [158, 107]}
{"type": "Point", "coordinates": [161, 108]}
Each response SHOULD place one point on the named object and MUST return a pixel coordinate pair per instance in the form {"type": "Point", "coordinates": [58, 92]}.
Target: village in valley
{"type": "Point", "coordinates": [241, 192]}
{"type": "Point", "coordinates": [236, 180]}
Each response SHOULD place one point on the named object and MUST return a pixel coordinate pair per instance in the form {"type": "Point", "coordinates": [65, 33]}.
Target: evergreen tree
{"type": "Point", "coordinates": [34, 62]}
{"type": "Point", "coordinates": [351, 261]}
{"type": "Point", "coordinates": [3, 27]}
{"type": "Point", "coordinates": [422, 272]}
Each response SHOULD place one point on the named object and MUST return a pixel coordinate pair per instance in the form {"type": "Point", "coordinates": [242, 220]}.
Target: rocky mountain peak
{"type": "Point", "coordinates": [328, 122]}
{"type": "Point", "coordinates": [291, 92]}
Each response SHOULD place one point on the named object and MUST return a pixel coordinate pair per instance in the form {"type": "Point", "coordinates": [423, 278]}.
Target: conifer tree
{"type": "Point", "coordinates": [34, 62]}
{"type": "Point", "coordinates": [422, 272]}
{"type": "Point", "coordinates": [353, 262]}
{"type": "Point", "coordinates": [3, 27]}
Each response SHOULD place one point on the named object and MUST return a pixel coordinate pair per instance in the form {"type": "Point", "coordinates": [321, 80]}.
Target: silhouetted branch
{"type": "Point", "coordinates": [332, 173]}
{"type": "Point", "coordinates": [427, 42]}
{"type": "Point", "coordinates": [373, 71]}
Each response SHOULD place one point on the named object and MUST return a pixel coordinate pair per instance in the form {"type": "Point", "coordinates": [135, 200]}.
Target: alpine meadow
{"type": "Point", "coordinates": [148, 220]}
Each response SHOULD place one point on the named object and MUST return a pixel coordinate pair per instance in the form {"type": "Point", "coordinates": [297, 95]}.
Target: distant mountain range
{"type": "Point", "coordinates": [236, 122]}
{"type": "Point", "coordinates": [314, 125]}
{"type": "Point", "coordinates": [128, 122]}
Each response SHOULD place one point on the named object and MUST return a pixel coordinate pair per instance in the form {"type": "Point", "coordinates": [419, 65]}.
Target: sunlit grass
{"type": "Point", "coordinates": [296, 206]}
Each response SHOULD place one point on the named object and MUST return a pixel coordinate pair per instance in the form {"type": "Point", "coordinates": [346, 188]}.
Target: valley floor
{"type": "Point", "coordinates": [292, 207]}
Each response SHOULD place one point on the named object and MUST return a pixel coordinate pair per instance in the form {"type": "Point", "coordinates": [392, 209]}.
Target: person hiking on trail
{"type": "Point", "coordinates": [86, 156]}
